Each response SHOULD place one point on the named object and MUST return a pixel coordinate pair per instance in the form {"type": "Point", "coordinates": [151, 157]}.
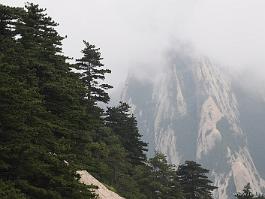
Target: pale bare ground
{"type": "Point", "coordinates": [103, 192]}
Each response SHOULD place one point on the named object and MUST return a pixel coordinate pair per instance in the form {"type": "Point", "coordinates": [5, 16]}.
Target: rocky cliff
{"type": "Point", "coordinates": [194, 111]}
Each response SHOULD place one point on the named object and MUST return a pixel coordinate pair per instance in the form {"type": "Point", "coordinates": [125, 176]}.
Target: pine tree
{"type": "Point", "coordinates": [37, 31]}
{"type": "Point", "coordinates": [247, 194]}
{"type": "Point", "coordinates": [51, 125]}
{"type": "Point", "coordinates": [124, 125]}
{"type": "Point", "coordinates": [163, 183]}
{"type": "Point", "coordinates": [194, 181]}
{"type": "Point", "coordinates": [92, 74]}
{"type": "Point", "coordinates": [8, 191]}
{"type": "Point", "coordinates": [31, 153]}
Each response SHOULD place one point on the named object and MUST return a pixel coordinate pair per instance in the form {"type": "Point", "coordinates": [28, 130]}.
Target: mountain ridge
{"type": "Point", "coordinates": [192, 112]}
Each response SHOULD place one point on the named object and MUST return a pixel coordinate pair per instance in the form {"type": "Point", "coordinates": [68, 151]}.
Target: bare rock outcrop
{"type": "Point", "coordinates": [103, 192]}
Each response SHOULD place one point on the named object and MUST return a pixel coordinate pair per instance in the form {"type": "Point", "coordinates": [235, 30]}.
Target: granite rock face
{"type": "Point", "coordinates": [194, 111]}
{"type": "Point", "coordinates": [102, 191]}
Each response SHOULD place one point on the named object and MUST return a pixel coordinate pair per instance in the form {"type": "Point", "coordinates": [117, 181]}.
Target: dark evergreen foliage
{"type": "Point", "coordinates": [49, 116]}
{"type": "Point", "coordinates": [194, 181]}
{"type": "Point", "coordinates": [247, 194]}
{"type": "Point", "coordinates": [8, 191]}
{"type": "Point", "coordinates": [164, 183]}
{"type": "Point", "coordinates": [92, 74]}
{"type": "Point", "coordinates": [31, 75]}
{"type": "Point", "coordinates": [124, 125]}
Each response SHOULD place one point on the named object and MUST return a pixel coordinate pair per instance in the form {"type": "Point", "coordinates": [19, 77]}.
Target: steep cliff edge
{"type": "Point", "coordinates": [192, 112]}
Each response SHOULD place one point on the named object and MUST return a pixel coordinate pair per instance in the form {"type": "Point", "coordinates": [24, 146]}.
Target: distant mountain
{"type": "Point", "coordinates": [194, 111]}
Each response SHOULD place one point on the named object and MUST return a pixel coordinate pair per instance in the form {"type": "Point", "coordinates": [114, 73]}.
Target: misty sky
{"type": "Point", "coordinates": [135, 33]}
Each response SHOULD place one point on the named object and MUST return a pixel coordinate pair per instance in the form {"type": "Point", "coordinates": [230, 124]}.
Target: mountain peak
{"type": "Point", "coordinates": [193, 112]}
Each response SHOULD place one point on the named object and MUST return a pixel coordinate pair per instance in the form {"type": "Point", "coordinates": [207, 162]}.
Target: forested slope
{"type": "Point", "coordinates": [51, 125]}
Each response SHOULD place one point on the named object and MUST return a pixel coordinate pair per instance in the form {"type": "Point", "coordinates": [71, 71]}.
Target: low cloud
{"type": "Point", "coordinates": [136, 34]}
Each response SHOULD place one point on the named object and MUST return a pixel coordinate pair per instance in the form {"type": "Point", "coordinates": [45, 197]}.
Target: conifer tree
{"type": "Point", "coordinates": [246, 193]}
{"type": "Point", "coordinates": [93, 73]}
{"type": "Point", "coordinates": [124, 125]}
{"type": "Point", "coordinates": [163, 183]}
{"type": "Point", "coordinates": [51, 125]}
{"type": "Point", "coordinates": [194, 181]}
{"type": "Point", "coordinates": [38, 30]}
{"type": "Point", "coordinates": [31, 154]}
{"type": "Point", "coordinates": [8, 191]}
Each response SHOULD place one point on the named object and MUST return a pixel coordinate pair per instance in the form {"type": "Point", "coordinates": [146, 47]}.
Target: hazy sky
{"type": "Point", "coordinates": [134, 33]}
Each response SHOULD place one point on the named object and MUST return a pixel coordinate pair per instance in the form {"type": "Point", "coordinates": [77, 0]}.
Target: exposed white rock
{"type": "Point", "coordinates": [166, 143]}
{"type": "Point", "coordinates": [132, 107]}
{"type": "Point", "coordinates": [217, 87]}
{"type": "Point", "coordinates": [221, 180]}
{"type": "Point", "coordinates": [208, 133]}
{"type": "Point", "coordinates": [213, 101]}
{"type": "Point", "coordinates": [103, 192]}
{"type": "Point", "coordinates": [164, 98]}
{"type": "Point", "coordinates": [168, 106]}
{"type": "Point", "coordinates": [244, 171]}
{"type": "Point", "coordinates": [215, 83]}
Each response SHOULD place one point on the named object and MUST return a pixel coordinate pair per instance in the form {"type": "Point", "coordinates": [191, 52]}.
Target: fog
{"type": "Point", "coordinates": [136, 34]}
